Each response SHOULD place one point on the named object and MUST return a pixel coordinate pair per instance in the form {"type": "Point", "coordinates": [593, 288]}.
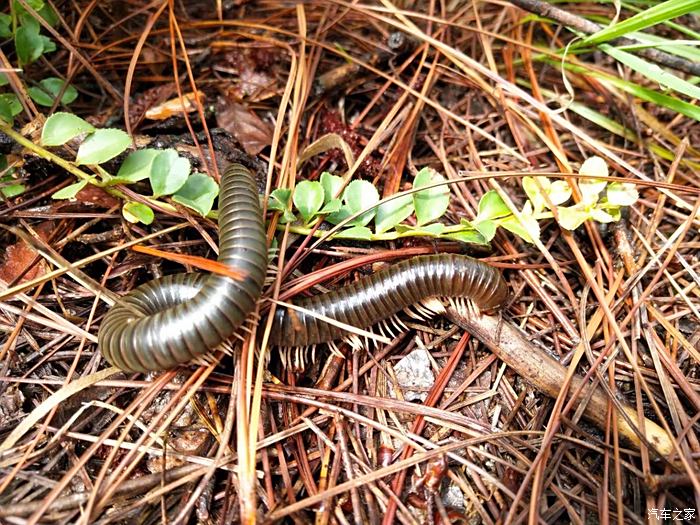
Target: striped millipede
{"type": "Point", "coordinates": [181, 317]}
{"type": "Point", "coordinates": [178, 318]}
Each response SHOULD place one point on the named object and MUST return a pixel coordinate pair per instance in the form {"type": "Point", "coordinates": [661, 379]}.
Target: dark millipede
{"type": "Point", "coordinates": [181, 317]}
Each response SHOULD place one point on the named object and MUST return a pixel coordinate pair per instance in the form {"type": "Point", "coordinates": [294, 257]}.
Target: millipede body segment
{"type": "Point", "coordinates": [183, 317]}
{"type": "Point", "coordinates": [379, 296]}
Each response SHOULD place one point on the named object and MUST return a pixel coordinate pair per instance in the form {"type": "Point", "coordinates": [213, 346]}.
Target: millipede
{"type": "Point", "coordinates": [183, 317]}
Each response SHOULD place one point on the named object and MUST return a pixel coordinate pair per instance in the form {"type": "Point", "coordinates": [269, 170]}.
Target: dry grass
{"type": "Point", "coordinates": [476, 94]}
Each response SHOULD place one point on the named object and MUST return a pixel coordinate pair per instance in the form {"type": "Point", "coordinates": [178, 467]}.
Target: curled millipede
{"type": "Point", "coordinates": [183, 317]}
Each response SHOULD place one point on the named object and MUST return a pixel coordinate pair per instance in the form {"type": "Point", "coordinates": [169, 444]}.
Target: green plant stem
{"type": "Point", "coordinates": [386, 236]}
{"type": "Point", "coordinates": [46, 154]}
{"type": "Point", "coordinates": [72, 168]}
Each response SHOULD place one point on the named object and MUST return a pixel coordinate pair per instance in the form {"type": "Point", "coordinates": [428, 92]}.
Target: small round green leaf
{"type": "Point", "coordinates": [467, 236]}
{"type": "Point", "coordinates": [28, 42]}
{"type": "Point", "coordinates": [571, 217]}
{"type": "Point", "coordinates": [487, 228]}
{"type": "Point", "coordinates": [5, 30]}
{"type": "Point", "coordinates": [600, 215]}
{"type": "Point", "coordinates": [622, 194]}
{"type": "Point", "coordinates": [279, 200]}
{"type": "Point", "coordinates": [332, 206]}
{"type": "Point", "coordinates": [331, 186]}
{"type": "Point", "coordinates": [198, 193]}
{"type": "Point", "coordinates": [168, 172]}
{"type": "Point", "coordinates": [137, 166]}
{"type": "Point", "coordinates": [491, 206]}
{"type": "Point", "coordinates": [135, 212]}
{"type": "Point", "coordinates": [359, 233]}
{"type": "Point", "coordinates": [308, 198]}
{"type": "Point", "coordinates": [9, 107]}
{"type": "Point", "coordinates": [360, 195]}
{"type": "Point", "coordinates": [560, 192]}
{"type": "Point", "coordinates": [47, 13]}
{"type": "Point", "coordinates": [392, 212]}
{"type": "Point", "coordinates": [430, 204]}
{"type": "Point", "coordinates": [590, 190]}
{"type": "Point", "coordinates": [594, 167]}
{"type": "Point", "coordinates": [102, 145]}
{"type": "Point", "coordinates": [48, 90]}
{"type": "Point", "coordinates": [62, 127]}
{"type": "Point", "coordinates": [11, 190]}
{"type": "Point", "coordinates": [69, 192]}
{"type": "Point", "coordinates": [9, 187]}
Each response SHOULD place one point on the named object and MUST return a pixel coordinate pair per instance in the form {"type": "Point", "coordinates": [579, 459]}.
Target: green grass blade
{"type": "Point", "coordinates": [652, 71]}
{"type": "Point", "coordinates": [649, 17]}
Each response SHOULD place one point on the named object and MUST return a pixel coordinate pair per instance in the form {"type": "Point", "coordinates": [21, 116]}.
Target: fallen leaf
{"type": "Point", "coordinates": [96, 196]}
{"type": "Point", "coordinates": [174, 106]}
{"type": "Point", "coordinates": [19, 256]}
{"type": "Point", "coordinates": [245, 125]}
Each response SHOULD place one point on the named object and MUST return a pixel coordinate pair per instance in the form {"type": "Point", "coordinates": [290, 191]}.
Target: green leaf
{"type": "Point", "coordinates": [435, 229]}
{"type": "Point", "coordinates": [137, 166]}
{"type": "Point", "coordinates": [102, 145]}
{"type": "Point", "coordinates": [331, 186]}
{"type": "Point", "coordinates": [48, 90]}
{"type": "Point", "coordinates": [5, 22]}
{"type": "Point", "coordinates": [590, 190]}
{"type": "Point", "coordinates": [9, 107]}
{"type": "Point", "coordinates": [654, 15]}
{"type": "Point", "coordinates": [168, 172]}
{"type": "Point", "coordinates": [28, 42]}
{"type": "Point", "coordinates": [279, 199]}
{"type": "Point", "coordinates": [360, 233]}
{"type": "Point", "coordinates": [332, 206]}
{"type": "Point", "coordinates": [467, 236]}
{"type": "Point", "coordinates": [198, 193]}
{"type": "Point", "coordinates": [560, 192]}
{"type": "Point", "coordinates": [653, 72]}
{"type": "Point", "coordinates": [11, 190]}
{"type": "Point", "coordinates": [571, 217]}
{"type": "Point", "coordinates": [487, 228]}
{"type": "Point", "coordinates": [34, 4]}
{"type": "Point", "coordinates": [594, 167]}
{"type": "Point", "coordinates": [600, 215]}
{"type": "Point", "coordinates": [308, 198]}
{"type": "Point", "coordinates": [491, 205]}
{"type": "Point", "coordinates": [392, 212]}
{"type": "Point", "coordinates": [48, 44]}
{"type": "Point", "coordinates": [3, 79]}
{"type": "Point", "coordinates": [430, 204]}
{"type": "Point", "coordinates": [622, 194]}
{"type": "Point", "coordinates": [47, 13]}
{"type": "Point", "coordinates": [358, 195]}
{"type": "Point", "coordinates": [535, 189]}
{"type": "Point", "coordinates": [137, 212]}
{"type": "Point", "coordinates": [69, 192]}
{"type": "Point", "coordinates": [9, 187]}
{"type": "Point", "coordinates": [62, 127]}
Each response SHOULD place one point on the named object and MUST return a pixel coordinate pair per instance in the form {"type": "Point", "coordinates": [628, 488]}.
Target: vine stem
{"type": "Point", "coordinates": [47, 155]}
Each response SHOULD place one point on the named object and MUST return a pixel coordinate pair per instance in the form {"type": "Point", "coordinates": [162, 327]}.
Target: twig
{"type": "Point", "coordinates": [547, 375]}
{"type": "Point", "coordinates": [586, 26]}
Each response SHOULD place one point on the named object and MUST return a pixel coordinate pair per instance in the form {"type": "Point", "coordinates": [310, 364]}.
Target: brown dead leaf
{"type": "Point", "coordinates": [174, 106]}
{"type": "Point", "coordinates": [19, 256]}
{"type": "Point", "coordinates": [244, 124]}
{"type": "Point", "coordinates": [96, 196]}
